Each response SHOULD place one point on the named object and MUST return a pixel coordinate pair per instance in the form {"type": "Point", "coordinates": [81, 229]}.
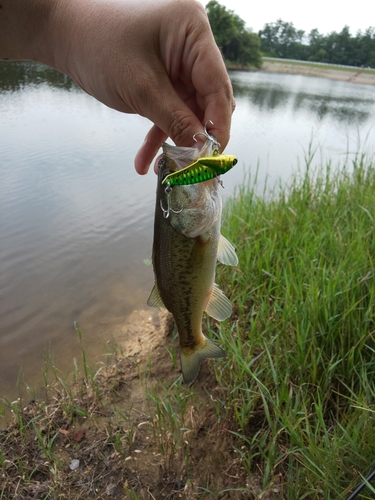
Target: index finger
{"type": "Point", "coordinates": [214, 91]}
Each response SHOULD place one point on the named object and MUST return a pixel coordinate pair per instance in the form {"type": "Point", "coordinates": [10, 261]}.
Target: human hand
{"type": "Point", "coordinates": [157, 58]}
{"type": "Point", "coordinates": [154, 58]}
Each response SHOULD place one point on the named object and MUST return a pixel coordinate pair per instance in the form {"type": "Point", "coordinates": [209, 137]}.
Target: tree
{"type": "Point", "coordinates": [316, 50]}
{"type": "Point", "coordinates": [249, 49]}
{"type": "Point", "coordinates": [365, 48]}
{"type": "Point", "coordinates": [222, 23]}
{"type": "Point", "coordinates": [340, 47]}
{"type": "Point", "coordinates": [236, 42]}
{"type": "Point", "coordinates": [283, 40]}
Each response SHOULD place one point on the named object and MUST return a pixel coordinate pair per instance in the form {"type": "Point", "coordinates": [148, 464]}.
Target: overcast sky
{"type": "Point", "coordinates": [326, 15]}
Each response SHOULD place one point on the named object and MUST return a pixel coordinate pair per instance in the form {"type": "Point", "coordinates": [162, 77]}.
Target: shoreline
{"type": "Point", "coordinates": [332, 73]}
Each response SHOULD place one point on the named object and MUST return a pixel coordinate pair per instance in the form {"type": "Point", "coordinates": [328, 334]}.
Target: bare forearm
{"type": "Point", "coordinates": [23, 28]}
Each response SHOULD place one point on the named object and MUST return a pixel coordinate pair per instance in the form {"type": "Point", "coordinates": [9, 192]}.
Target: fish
{"type": "Point", "coordinates": [187, 245]}
{"type": "Point", "coordinates": [205, 168]}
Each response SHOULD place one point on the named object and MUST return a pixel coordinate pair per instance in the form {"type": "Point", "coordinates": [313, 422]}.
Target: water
{"type": "Point", "coordinates": [278, 116]}
{"type": "Point", "coordinates": [76, 221]}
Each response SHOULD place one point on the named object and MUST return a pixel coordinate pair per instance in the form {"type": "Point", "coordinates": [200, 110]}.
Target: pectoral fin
{"type": "Point", "coordinates": [219, 306]}
{"type": "Point", "coordinates": [190, 363]}
{"type": "Point", "coordinates": [154, 299]}
{"type": "Point", "coordinates": [226, 253]}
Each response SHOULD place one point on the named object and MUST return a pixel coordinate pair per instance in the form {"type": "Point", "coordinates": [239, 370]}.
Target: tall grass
{"type": "Point", "coordinates": [301, 363]}
{"type": "Point", "coordinates": [292, 415]}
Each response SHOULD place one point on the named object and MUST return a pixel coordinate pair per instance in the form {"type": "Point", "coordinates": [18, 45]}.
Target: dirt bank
{"type": "Point", "coordinates": [359, 76]}
{"type": "Point", "coordinates": [127, 430]}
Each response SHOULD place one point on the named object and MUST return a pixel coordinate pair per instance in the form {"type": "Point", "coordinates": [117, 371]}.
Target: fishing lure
{"type": "Point", "coordinates": [203, 169]}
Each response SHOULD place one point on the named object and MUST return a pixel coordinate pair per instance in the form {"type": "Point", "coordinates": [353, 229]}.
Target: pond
{"type": "Point", "coordinates": [76, 221]}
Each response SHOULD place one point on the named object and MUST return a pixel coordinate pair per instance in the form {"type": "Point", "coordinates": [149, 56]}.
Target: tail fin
{"type": "Point", "coordinates": [190, 363]}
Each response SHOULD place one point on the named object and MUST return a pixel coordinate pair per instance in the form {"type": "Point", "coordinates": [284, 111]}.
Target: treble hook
{"type": "Point", "coordinates": [208, 136]}
{"type": "Point", "coordinates": [169, 209]}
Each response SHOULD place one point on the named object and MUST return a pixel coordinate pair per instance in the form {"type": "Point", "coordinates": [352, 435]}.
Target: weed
{"type": "Point", "coordinates": [305, 298]}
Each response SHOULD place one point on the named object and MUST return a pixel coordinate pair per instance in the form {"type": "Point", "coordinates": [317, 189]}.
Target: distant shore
{"type": "Point", "coordinates": [331, 72]}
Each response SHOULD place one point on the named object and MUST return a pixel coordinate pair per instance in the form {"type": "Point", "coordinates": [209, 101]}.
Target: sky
{"type": "Point", "coordinates": [325, 15]}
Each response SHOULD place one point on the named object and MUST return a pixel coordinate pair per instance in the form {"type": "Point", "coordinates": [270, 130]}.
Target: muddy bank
{"type": "Point", "coordinates": [321, 72]}
{"type": "Point", "coordinates": [127, 430]}
{"type": "Point", "coordinates": [359, 76]}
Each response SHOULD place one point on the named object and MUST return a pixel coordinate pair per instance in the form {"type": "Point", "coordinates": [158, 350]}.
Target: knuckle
{"type": "Point", "coordinates": [179, 125]}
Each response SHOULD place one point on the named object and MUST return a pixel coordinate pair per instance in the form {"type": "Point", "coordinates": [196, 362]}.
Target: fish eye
{"type": "Point", "coordinates": [235, 161]}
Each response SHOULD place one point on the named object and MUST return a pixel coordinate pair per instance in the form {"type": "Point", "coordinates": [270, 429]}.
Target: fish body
{"type": "Point", "coordinates": [187, 245]}
{"type": "Point", "coordinates": [203, 169]}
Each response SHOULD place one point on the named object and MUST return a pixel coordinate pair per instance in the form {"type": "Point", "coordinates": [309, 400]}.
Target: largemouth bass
{"type": "Point", "coordinates": [187, 245]}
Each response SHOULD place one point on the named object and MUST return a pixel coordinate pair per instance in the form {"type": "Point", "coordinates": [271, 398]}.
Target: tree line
{"type": "Point", "coordinates": [240, 45]}
{"type": "Point", "coordinates": [282, 39]}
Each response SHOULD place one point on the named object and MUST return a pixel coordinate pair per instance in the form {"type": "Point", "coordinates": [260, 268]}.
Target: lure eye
{"type": "Point", "coordinates": [235, 161]}
{"type": "Point", "coordinates": [164, 174]}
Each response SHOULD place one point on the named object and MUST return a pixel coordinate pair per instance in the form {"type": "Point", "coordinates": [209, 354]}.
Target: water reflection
{"type": "Point", "coordinates": [264, 97]}
{"type": "Point", "coordinates": [275, 93]}
{"type": "Point", "coordinates": [18, 75]}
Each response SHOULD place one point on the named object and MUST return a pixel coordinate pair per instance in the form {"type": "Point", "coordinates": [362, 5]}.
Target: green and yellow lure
{"type": "Point", "coordinates": [203, 169]}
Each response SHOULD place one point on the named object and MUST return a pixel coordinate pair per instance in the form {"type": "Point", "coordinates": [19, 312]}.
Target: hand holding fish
{"type": "Point", "coordinates": [156, 59]}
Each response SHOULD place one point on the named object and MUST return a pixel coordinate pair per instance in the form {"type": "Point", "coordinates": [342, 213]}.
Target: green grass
{"type": "Point", "coordinates": [291, 414]}
{"type": "Point", "coordinates": [301, 362]}
{"type": "Point", "coordinates": [313, 64]}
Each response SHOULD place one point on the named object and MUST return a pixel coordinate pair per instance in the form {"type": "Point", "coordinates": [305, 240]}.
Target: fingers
{"type": "Point", "coordinates": [172, 117]}
{"type": "Point", "coordinates": [219, 110]}
{"type": "Point", "coordinates": [182, 128]}
{"type": "Point", "coordinates": [174, 110]}
{"type": "Point", "coordinates": [214, 88]}
{"type": "Point", "coordinates": [148, 150]}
